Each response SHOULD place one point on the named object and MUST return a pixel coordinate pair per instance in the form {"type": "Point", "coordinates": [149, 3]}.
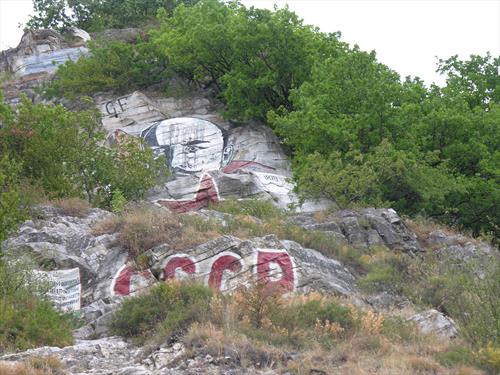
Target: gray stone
{"type": "Point", "coordinates": [432, 321]}
{"type": "Point", "coordinates": [57, 241]}
{"type": "Point", "coordinates": [285, 264]}
{"type": "Point", "coordinates": [387, 301]}
{"type": "Point", "coordinates": [367, 227]}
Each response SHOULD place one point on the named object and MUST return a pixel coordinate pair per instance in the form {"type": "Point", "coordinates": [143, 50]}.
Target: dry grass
{"type": "Point", "coordinates": [50, 365]}
{"type": "Point", "coordinates": [423, 227]}
{"type": "Point", "coordinates": [72, 206]}
{"type": "Point", "coordinates": [374, 344]}
{"type": "Point", "coordinates": [141, 229]}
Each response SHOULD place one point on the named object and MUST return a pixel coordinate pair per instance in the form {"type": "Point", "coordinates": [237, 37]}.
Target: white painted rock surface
{"type": "Point", "coordinates": [227, 262]}
{"type": "Point", "coordinates": [41, 51]}
{"type": "Point", "coordinates": [210, 159]}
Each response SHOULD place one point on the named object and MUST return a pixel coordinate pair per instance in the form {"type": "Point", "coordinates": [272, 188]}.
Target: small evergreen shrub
{"type": "Point", "coordinates": [165, 310]}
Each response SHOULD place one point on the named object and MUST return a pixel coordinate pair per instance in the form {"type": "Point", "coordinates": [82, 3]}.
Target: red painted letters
{"type": "Point", "coordinates": [182, 262]}
{"type": "Point", "coordinates": [223, 263]}
{"type": "Point", "coordinates": [268, 274]}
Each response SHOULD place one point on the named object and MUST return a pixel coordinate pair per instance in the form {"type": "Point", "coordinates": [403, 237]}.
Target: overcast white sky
{"type": "Point", "coordinates": [407, 34]}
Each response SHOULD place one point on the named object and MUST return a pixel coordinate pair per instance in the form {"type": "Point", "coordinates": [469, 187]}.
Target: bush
{"type": "Point", "coordinates": [11, 211]}
{"type": "Point", "coordinates": [27, 320]}
{"type": "Point", "coordinates": [456, 355]}
{"type": "Point", "coordinates": [61, 152]}
{"type": "Point", "coordinates": [489, 357]}
{"type": "Point", "coordinates": [113, 66]}
{"type": "Point", "coordinates": [165, 310]}
{"type": "Point", "coordinates": [262, 209]}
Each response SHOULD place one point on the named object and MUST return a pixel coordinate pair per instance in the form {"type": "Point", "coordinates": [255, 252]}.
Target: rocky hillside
{"type": "Point", "coordinates": [365, 290]}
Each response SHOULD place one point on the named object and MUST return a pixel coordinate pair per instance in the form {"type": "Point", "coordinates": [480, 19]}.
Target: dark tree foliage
{"type": "Point", "coordinates": [61, 152]}
{"type": "Point", "coordinates": [252, 58]}
{"type": "Point", "coordinates": [111, 66]}
{"type": "Point", "coordinates": [97, 15]}
{"type": "Point", "coordinates": [361, 137]}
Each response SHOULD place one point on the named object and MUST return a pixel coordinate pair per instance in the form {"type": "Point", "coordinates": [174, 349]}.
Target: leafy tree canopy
{"type": "Point", "coordinates": [97, 15]}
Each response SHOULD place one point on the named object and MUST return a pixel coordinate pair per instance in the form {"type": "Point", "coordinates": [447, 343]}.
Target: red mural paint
{"type": "Point", "coordinates": [184, 263]}
{"type": "Point", "coordinates": [207, 193]}
{"type": "Point", "coordinates": [283, 260]}
{"type": "Point", "coordinates": [121, 285]}
{"type": "Point", "coordinates": [122, 282]}
{"type": "Point", "coordinates": [242, 164]}
{"type": "Point", "coordinates": [223, 263]}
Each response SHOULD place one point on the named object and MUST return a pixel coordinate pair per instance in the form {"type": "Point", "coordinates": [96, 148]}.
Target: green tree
{"type": "Point", "coordinates": [476, 79]}
{"type": "Point", "coordinates": [49, 14]}
{"type": "Point", "coordinates": [351, 101]}
{"type": "Point", "coordinates": [113, 66]}
{"type": "Point", "coordinates": [61, 151]}
{"type": "Point", "coordinates": [252, 58]}
{"type": "Point", "coordinates": [97, 15]}
{"type": "Point", "coordinates": [11, 211]}
{"type": "Point", "coordinates": [360, 136]}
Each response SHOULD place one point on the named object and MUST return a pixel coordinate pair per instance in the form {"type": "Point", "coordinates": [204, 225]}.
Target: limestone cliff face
{"type": "Point", "coordinates": [210, 158]}
{"type": "Point", "coordinates": [36, 58]}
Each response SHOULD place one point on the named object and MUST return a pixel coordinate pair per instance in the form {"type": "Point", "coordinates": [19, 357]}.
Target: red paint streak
{"type": "Point", "coordinates": [186, 264]}
{"type": "Point", "coordinates": [241, 164]}
{"type": "Point", "coordinates": [122, 282]}
{"type": "Point", "coordinates": [207, 193]}
{"type": "Point", "coordinates": [225, 262]}
{"type": "Point", "coordinates": [264, 258]}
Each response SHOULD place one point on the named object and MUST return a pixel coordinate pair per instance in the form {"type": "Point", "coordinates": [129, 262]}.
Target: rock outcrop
{"type": "Point", "coordinates": [36, 58]}
{"type": "Point", "coordinates": [114, 356]}
{"type": "Point", "coordinates": [57, 241]}
{"type": "Point", "coordinates": [365, 228]}
{"type": "Point", "coordinates": [210, 158]}
{"type": "Point", "coordinates": [42, 51]}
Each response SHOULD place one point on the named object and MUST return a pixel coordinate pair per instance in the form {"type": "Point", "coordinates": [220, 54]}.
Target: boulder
{"type": "Point", "coordinates": [365, 228]}
{"type": "Point", "coordinates": [58, 241]}
{"type": "Point", "coordinates": [432, 321]}
{"type": "Point", "coordinates": [458, 246]}
{"type": "Point", "coordinates": [227, 263]}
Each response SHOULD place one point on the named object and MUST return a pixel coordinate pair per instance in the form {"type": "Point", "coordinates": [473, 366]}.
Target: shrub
{"type": "Point", "coordinates": [61, 152]}
{"type": "Point", "coordinates": [11, 211]}
{"type": "Point", "coordinates": [385, 271]}
{"type": "Point", "coordinates": [489, 357]}
{"type": "Point", "coordinates": [164, 310]}
{"type": "Point", "coordinates": [456, 355]}
{"type": "Point", "coordinates": [262, 209]}
{"type": "Point", "coordinates": [111, 66]}
{"type": "Point", "coordinates": [26, 319]}
{"type": "Point", "coordinates": [118, 201]}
